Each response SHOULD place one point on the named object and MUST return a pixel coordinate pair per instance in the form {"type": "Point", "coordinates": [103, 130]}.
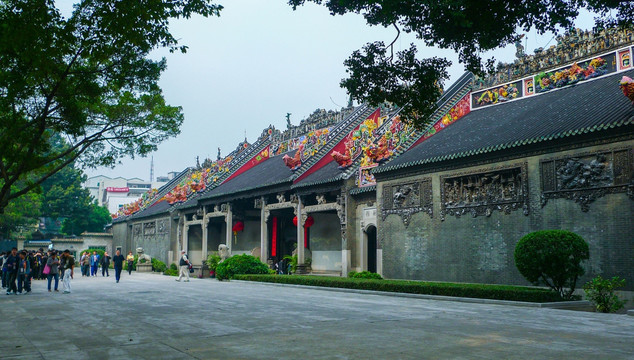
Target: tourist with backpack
{"type": "Point", "coordinates": [184, 266]}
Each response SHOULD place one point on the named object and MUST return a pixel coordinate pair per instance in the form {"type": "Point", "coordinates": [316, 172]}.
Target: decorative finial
{"type": "Point", "coordinates": [288, 120]}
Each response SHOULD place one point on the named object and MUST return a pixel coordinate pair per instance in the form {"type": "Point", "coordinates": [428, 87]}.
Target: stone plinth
{"type": "Point", "coordinates": [146, 267]}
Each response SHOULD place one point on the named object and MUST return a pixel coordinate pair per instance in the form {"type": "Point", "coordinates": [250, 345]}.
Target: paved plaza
{"type": "Point", "coordinates": [149, 316]}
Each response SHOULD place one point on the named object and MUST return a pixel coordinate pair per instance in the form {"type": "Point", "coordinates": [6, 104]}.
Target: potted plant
{"type": "Point", "coordinates": [212, 262]}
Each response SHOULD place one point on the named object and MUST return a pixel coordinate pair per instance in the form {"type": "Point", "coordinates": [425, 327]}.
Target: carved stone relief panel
{"type": "Point", "coordinates": [136, 230]}
{"type": "Point", "coordinates": [587, 177]}
{"type": "Point", "coordinates": [161, 226]}
{"type": "Point", "coordinates": [480, 193]}
{"type": "Point", "coordinates": [149, 228]}
{"type": "Point", "coordinates": [407, 198]}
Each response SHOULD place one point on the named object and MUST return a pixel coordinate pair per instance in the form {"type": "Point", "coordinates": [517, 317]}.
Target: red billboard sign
{"type": "Point", "coordinates": [117, 189]}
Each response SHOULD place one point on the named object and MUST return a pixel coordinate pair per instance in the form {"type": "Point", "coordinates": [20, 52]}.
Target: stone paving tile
{"type": "Point", "coordinates": [149, 316]}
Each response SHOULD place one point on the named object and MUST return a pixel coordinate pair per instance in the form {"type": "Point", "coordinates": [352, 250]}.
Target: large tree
{"type": "Point", "coordinates": [87, 77]}
{"type": "Point", "coordinates": [92, 220]}
{"type": "Point", "coordinates": [468, 27]}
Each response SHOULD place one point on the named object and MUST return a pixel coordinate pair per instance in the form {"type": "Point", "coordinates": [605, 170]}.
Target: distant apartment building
{"type": "Point", "coordinates": [113, 193]}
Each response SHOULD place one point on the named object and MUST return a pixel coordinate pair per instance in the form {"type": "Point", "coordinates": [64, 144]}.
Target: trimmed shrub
{"type": "Point", "coordinates": [158, 265]}
{"type": "Point", "coordinates": [240, 264]}
{"type": "Point", "coordinates": [172, 270]}
{"type": "Point", "coordinates": [479, 291]}
{"type": "Point", "coordinates": [600, 292]}
{"type": "Point", "coordinates": [364, 275]}
{"type": "Point", "coordinates": [553, 258]}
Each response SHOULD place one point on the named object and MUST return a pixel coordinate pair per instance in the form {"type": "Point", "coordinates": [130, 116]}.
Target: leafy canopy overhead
{"type": "Point", "coordinates": [87, 78]}
{"type": "Point", "coordinates": [465, 26]}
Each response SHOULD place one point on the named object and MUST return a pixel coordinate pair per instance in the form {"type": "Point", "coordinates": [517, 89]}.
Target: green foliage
{"type": "Point", "coordinates": [88, 77]}
{"type": "Point", "coordinates": [171, 271]}
{"type": "Point", "coordinates": [293, 261]}
{"type": "Point", "coordinates": [240, 264]}
{"type": "Point", "coordinates": [481, 291]}
{"type": "Point", "coordinates": [601, 293]}
{"type": "Point", "coordinates": [377, 77]}
{"type": "Point", "coordinates": [469, 28]}
{"type": "Point", "coordinates": [158, 265]}
{"type": "Point", "coordinates": [552, 257]}
{"type": "Point", "coordinates": [63, 195]}
{"type": "Point", "coordinates": [21, 212]}
{"type": "Point", "coordinates": [92, 220]}
{"type": "Point", "coordinates": [213, 260]}
{"type": "Point", "coordinates": [364, 275]}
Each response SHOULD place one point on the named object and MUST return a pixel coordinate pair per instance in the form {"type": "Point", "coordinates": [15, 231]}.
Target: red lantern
{"type": "Point", "coordinates": [238, 226]}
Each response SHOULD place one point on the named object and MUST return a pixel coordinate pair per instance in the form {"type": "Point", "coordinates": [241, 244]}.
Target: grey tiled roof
{"type": "Point", "coordinates": [586, 107]}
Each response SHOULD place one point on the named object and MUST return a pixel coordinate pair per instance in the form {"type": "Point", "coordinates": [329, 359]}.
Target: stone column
{"type": "Point", "coordinates": [229, 221]}
{"type": "Point", "coordinates": [205, 230]}
{"type": "Point", "coordinates": [300, 233]}
{"type": "Point", "coordinates": [264, 233]}
{"type": "Point", "coordinates": [185, 237]}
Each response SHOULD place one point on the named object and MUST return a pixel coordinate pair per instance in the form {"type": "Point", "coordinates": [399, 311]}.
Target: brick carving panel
{"type": "Point", "coordinates": [587, 177]}
{"type": "Point", "coordinates": [481, 193]}
{"type": "Point", "coordinates": [149, 228]}
{"type": "Point", "coordinates": [407, 198]}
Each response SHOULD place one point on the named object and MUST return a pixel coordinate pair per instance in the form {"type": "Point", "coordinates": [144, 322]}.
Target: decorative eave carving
{"type": "Point", "coordinates": [406, 199]}
{"type": "Point", "coordinates": [481, 192]}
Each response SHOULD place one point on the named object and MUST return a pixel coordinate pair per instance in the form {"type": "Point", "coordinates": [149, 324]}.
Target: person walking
{"type": "Point", "coordinates": [118, 264]}
{"type": "Point", "coordinates": [24, 268]}
{"type": "Point", "coordinates": [44, 260]}
{"type": "Point", "coordinates": [53, 273]}
{"type": "Point", "coordinates": [130, 260]}
{"type": "Point", "coordinates": [5, 272]}
{"type": "Point", "coordinates": [94, 263]}
{"type": "Point", "coordinates": [105, 264]}
{"type": "Point", "coordinates": [84, 263]}
{"type": "Point", "coordinates": [184, 266]}
{"type": "Point", "coordinates": [12, 262]}
{"type": "Point", "coordinates": [68, 264]}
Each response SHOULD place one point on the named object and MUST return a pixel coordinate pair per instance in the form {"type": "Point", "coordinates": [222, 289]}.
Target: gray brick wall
{"type": "Point", "coordinates": [480, 249]}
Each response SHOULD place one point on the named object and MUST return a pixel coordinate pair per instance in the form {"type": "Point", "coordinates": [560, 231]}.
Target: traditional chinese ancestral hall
{"type": "Point", "coordinates": [546, 143]}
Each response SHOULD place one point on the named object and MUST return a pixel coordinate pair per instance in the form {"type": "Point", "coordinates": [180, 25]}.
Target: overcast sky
{"type": "Point", "coordinates": [256, 62]}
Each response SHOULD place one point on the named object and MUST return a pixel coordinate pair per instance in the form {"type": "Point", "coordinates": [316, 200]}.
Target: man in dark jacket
{"type": "Point", "coordinates": [118, 264]}
{"type": "Point", "coordinates": [12, 263]}
{"type": "Point", "coordinates": [105, 263]}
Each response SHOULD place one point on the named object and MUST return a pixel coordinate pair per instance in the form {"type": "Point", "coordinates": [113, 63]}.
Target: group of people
{"type": "Point", "coordinates": [90, 264]}
{"type": "Point", "coordinates": [20, 268]}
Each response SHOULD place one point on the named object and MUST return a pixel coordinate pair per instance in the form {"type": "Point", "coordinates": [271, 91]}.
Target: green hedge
{"type": "Point", "coordinates": [480, 291]}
